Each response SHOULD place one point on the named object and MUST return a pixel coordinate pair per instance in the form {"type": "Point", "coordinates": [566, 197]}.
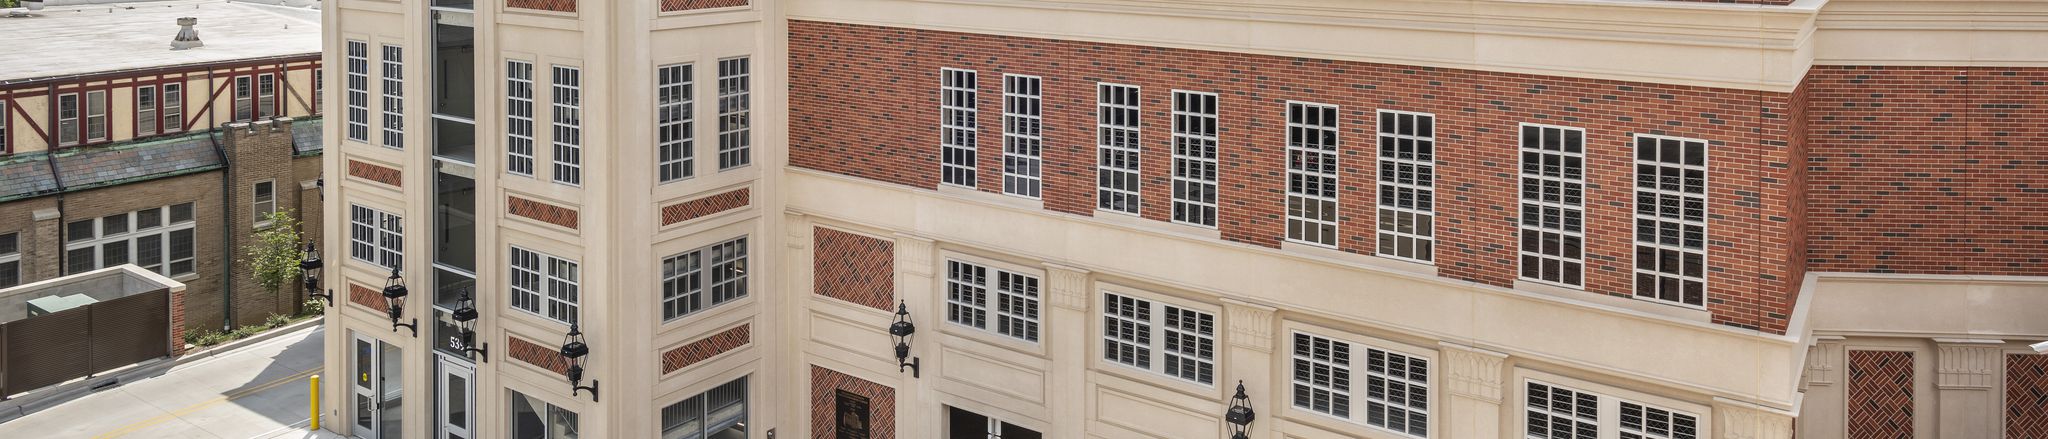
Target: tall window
{"type": "Point", "coordinates": [266, 96]}
{"type": "Point", "coordinates": [394, 96]}
{"type": "Point", "coordinates": [1016, 299]}
{"type": "Point", "coordinates": [568, 138]}
{"type": "Point", "coordinates": [10, 258]}
{"type": "Point", "coordinates": [958, 92]}
{"type": "Point", "coordinates": [6, 147]}
{"type": "Point", "coordinates": [544, 285]}
{"type": "Point", "coordinates": [533, 418]}
{"type": "Point", "coordinates": [245, 99]}
{"type": "Point", "coordinates": [145, 110]}
{"type": "Point", "coordinates": [1023, 149]}
{"type": "Point", "coordinates": [1553, 204]}
{"type": "Point", "coordinates": [358, 91]}
{"type": "Point", "coordinates": [519, 117]}
{"type": "Point", "coordinates": [96, 115]}
{"type": "Point", "coordinates": [376, 237]}
{"type": "Point", "coordinates": [718, 413]}
{"type": "Point", "coordinates": [1671, 220]}
{"type": "Point", "coordinates": [1397, 385]}
{"type": "Point", "coordinates": [1407, 185]}
{"type": "Point", "coordinates": [734, 140]}
{"type": "Point", "coordinates": [1194, 158]}
{"type": "Point", "coordinates": [720, 268]}
{"type": "Point", "coordinates": [1158, 337]}
{"type": "Point", "coordinates": [1117, 148]}
{"type": "Point", "coordinates": [319, 89]}
{"type": "Point", "coordinates": [157, 239]}
{"type": "Point", "coordinates": [263, 203]}
{"type": "Point", "coordinates": [174, 107]}
{"type": "Point", "coordinates": [67, 119]}
{"type": "Point", "coordinates": [1312, 173]}
{"type": "Point", "coordinates": [676, 121]}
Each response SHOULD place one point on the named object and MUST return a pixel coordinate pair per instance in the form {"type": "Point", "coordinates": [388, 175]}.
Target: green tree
{"type": "Point", "coordinates": [274, 257]}
{"type": "Point", "coordinates": [9, 4]}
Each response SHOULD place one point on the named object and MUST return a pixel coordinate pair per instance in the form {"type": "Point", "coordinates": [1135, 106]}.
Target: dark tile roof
{"type": "Point", "coordinates": [25, 175]}
{"type": "Point", "coordinates": [306, 137]}
{"type": "Point", "coordinates": [86, 168]}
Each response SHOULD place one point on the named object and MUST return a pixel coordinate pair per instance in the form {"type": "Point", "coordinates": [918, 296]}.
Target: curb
{"type": "Point", "coordinates": [194, 353]}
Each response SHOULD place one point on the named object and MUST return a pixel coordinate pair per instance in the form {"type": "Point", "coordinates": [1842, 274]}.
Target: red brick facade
{"type": "Point", "coordinates": [1930, 170]}
{"type": "Point", "coordinates": [2026, 396]}
{"type": "Point", "coordinates": [371, 298]}
{"type": "Point", "coordinates": [546, 356]}
{"type": "Point", "coordinates": [825, 387]}
{"type": "Point", "coordinates": [868, 101]}
{"type": "Point", "coordinates": [854, 268]}
{"type": "Point", "coordinates": [701, 207]}
{"type": "Point", "coordinates": [689, 5]}
{"type": "Point", "coordinates": [1880, 395]}
{"type": "Point", "coordinates": [374, 173]}
{"type": "Point", "coordinates": [703, 349]}
{"type": "Point", "coordinates": [543, 5]}
{"type": "Point", "coordinates": [543, 212]}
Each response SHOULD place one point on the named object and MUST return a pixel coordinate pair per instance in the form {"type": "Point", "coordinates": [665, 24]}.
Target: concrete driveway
{"type": "Point", "coordinates": [254, 391]}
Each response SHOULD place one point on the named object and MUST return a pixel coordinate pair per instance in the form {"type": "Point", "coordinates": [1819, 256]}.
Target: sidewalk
{"type": "Point", "coordinates": [255, 391]}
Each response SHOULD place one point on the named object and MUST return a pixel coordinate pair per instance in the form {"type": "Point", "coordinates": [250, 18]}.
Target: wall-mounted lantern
{"type": "Point", "coordinates": [465, 318]}
{"type": "Point", "coordinates": [1240, 415]}
{"type": "Point", "coordinates": [394, 303]}
{"type": "Point", "coordinates": [574, 349]}
{"type": "Point", "coordinates": [902, 330]}
{"type": "Point", "coordinates": [311, 265]}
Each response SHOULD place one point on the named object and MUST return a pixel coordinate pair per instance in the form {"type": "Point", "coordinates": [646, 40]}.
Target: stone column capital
{"type": "Point", "coordinates": [1967, 363]}
{"type": "Point", "coordinates": [914, 255]}
{"type": "Point", "coordinates": [1067, 286]}
{"type": "Point", "coordinates": [1251, 325]}
{"type": "Point", "coordinates": [1742, 420]}
{"type": "Point", "coordinates": [1474, 373]}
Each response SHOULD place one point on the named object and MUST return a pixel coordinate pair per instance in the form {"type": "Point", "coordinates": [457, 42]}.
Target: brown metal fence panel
{"type": "Point", "coordinates": [130, 330]}
{"type": "Point", "coordinates": [48, 349]}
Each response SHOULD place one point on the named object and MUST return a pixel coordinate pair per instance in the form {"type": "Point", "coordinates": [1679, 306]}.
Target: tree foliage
{"type": "Point", "coordinates": [274, 257]}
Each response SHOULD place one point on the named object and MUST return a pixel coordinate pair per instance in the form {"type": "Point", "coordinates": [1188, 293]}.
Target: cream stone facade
{"type": "Point", "coordinates": [810, 348]}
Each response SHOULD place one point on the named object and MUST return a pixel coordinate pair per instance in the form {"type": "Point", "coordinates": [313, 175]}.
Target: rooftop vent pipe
{"type": "Point", "coordinates": [187, 38]}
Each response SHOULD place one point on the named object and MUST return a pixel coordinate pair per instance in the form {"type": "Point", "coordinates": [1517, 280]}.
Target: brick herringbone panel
{"type": "Point", "coordinates": [853, 268]}
{"type": "Point", "coordinates": [547, 357]}
{"type": "Point", "coordinates": [701, 207]}
{"type": "Point", "coordinates": [2026, 396]}
{"type": "Point", "coordinates": [1880, 395]}
{"type": "Point", "coordinates": [543, 212]}
{"type": "Point", "coordinates": [685, 5]}
{"type": "Point", "coordinates": [368, 297]}
{"type": "Point", "coordinates": [375, 173]}
{"type": "Point", "coordinates": [544, 5]}
{"type": "Point", "coordinates": [881, 403]}
{"type": "Point", "coordinates": [703, 349]}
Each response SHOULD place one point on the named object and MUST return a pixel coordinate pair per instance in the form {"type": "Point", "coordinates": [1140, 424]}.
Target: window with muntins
{"type": "Point", "coordinates": [245, 99]}
{"type": "Point", "coordinates": [1023, 125]}
{"type": "Point", "coordinates": [10, 258]}
{"type": "Point", "coordinates": [145, 110]}
{"type": "Point", "coordinates": [1312, 173]}
{"type": "Point", "coordinates": [173, 108]}
{"type": "Point", "coordinates": [718, 413]}
{"type": "Point", "coordinates": [958, 92]}
{"type": "Point", "coordinates": [568, 138]}
{"type": "Point", "coordinates": [376, 237]}
{"type": "Point", "coordinates": [358, 84]}
{"type": "Point", "coordinates": [96, 115]}
{"type": "Point", "coordinates": [544, 285]}
{"type": "Point", "coordinates": [735, 141]}
{"type": "Point", "coordinates": [1155, 336]}
{"type": "Point", "coordinates": [676, 122]}
{"type": "Point", "coordinates": [1194, 158]}
{"type": "Point", "coordinates": [1671, 220]}
{"type": "Point", "coordinates": [263, 203]}
{"type": "Point", "coordinates": [1407, 186]}
{"type": "Point", "coordinates": [394, 96]}
{"type": "Point", "coordinates": [685, 277]}
{"type": "Point", "coordinates": [266, 96]}
{"type": "Point", "coordinates": [1396, 392]}
{"type": "Point", "coordinates": [1553, 204]}
{"type": "Point", "coordinates": [1117, 148]}
{"type": "Point", "coordinates": [6, 146]}
{"type": "Point", "coordinates": [1560, 412]}
{"type": "Point", "coordinates": [67, 119]}
{"type": "Point", "coordinates": [968, 293]}
{"type": "Point", "coordinates": [160, 240]}
{"type": "Point", "coordinates": [519, 118]}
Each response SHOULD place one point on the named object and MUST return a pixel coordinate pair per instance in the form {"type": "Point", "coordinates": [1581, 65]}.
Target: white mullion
{"type": "Point", "coordinates": [358, 85]}
{"type": "Point", "coordinates": [1204, 142]}
{"type": "Point", "coordinates": [1659, 164]}
{"type": "Point", "coordinates": [1424, 187]}
{"type": "Point", "coordinates": [1023, 144]}
{"type": "Point", "coordinates": [1324, 156]}
{"type": "Point", "coordinates": [1118, 140]}
{"type": "Point", "coordinates": [1564, 208]}
{"type": "Point", "coordinates": [567, 101]}
{"type": "Point", "coordinates": [958, 126]}
{"type": "Point", "coordinates": [675, 122]}
{"type": "Point", "coordinates": [519, 123]}
{"type": "Point", "coordinates": [394, 96]}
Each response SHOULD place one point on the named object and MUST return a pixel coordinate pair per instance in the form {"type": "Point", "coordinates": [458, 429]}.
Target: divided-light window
{"type": "Point", "coordinates": [1553, 204]}
{"type": "Point", "coordinates": [675, 122]}
{"type": "Point", "coordinates": [1155, 336]}
{"type": "Point", "coordinates": [568, 124]}
{"type": "Point", "coordinates": [719, 268]}
{"type": "Point", "coordinates": [1396, 394]}
{"type": "Point", "coordinates": [1117, 148]}
{"type": "Point", "coordinates": [10, 259]}
{"type": "Point", "coordinates": [376, 237]}
{"type": "Point", "coordinates": [1312, 173]}
{"type": "Point", "coordinates": [735, 141]}
{"type": "Point", "coordinates": [1558, 412]}
{"type": "Point", "coordinates": [1015, 305]}
{"type": "Point", "coordinates": [1194, 158]}
{"type": "Point", "coordinates": [1407, 185]}
{"type": "Point", "coordinates": [1023, 148]}
{"type": "Point", "coordinates": [158, 239]}
{"type": "Point", "coordinates": [958, 123]}
{"type": "Point", "coordinates": [358, 87]}
{"type": "Point", "coordinates": [394, 96]}
{"type": "Point", "coordinates": [1671, 220]}
{"type": "Point", "coordinates": [519, 118]}
{"type": "Point", "coordinates": [544, 285]}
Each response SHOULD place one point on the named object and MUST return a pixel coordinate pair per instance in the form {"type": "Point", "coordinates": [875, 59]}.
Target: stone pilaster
{"type": "Point", "coordinates": [1250, 360]}
{"type": "Point", "coordinates": [1965, 374]}
{"type": "Point", "coordinates": [39, 258]}
{"type": "Point", "coordinates": [1475, 378]}
{"type": "Point", "coordinates": [1741, 420]}
{"type": "Point", "coordinates": [917, 405]}
{"type": "Point", "coordinates": [1067, 341]}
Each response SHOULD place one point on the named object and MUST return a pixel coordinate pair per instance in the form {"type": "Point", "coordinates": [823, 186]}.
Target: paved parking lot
{"type": "Point", "coordinates": [254, 391]}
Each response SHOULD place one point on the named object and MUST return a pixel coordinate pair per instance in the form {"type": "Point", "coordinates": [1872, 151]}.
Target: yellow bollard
{"type": "Point", "coordinates": [314, 395]}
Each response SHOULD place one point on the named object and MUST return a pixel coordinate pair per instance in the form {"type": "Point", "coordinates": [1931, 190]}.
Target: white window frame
{"type": "Point", "coordinates": [675, 130]}
{"type": "Point", "coordinates": [1326, 199]}
{"type": "Point", "coordinates": [990, 293]}
{"type": "Point", "coordinates": [555, 291]}
{"type": "Point", "coordinates": [735, 124]}
{"type": "Point", "coordinates": [1023, 135]}
{"type": "Point", "coordinates": [1684, 220]}
{"type": "Point", "coordinates": [376, 237]}
{"type": "Point", "coordinates": [172, 107]}
{"type": "Point", "coordinates": [566, 85]}
{"type": "Point", "coordinates": [693, 277]}
{"type": "Point", "coordinates": [1196, 145]}
{"type": "Point", "coordinates": [70, 129]}
{"type": "Point", "coordinates": [261, 207]}
{"type": "Point", "coordinates": [11, 258]}
{"type": "Point", "coordinates": [703, 403]}
{"type": "Point", "coordinates": [133, 235]}
{"type": "Point", "coordinates": [959, 126]}
{"type": "Point", "coordinates": [1607, 421]}
{"type": "Point", "coordinates": [96, 120]}
{"type": "Point", "coordinates": [1119, 145]}
{"type": "Point", "coordinates": [1360, 374]}
{"type": "Point", "coordinates": [394, 96]}
{"type": "Point", "coordinates": [358, 89]}
{"type": "Point", "coordinates": [319, 87]}
{"type": "Point", "coordinates": [266, 96]}
{"type": "Point", "coordinates": [245, 98]}
{"type": "Point", "coordinates": [146, 104]}
{"type": "Point", "coordinates": [1154, 338]}
{"type": "Point", "coordinates": [1565, 233]}
{"type": "Point", "coordinates": [1418, 212]}
{"type": "Point", "coordinates": [6, 146]}
{"type": "Point", "coordinates": [548, 412]}
{"type": "Point", "coordinates": [519, 123]}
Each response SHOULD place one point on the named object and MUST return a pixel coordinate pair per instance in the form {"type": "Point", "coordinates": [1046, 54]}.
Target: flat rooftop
{"type": "Point", "coordinates": [83, 39]}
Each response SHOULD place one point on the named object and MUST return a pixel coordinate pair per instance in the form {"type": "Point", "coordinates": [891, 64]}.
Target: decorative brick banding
{"type": "Point", "coordinates": [543, 212]}
{"type": "Point", "coordinates": [853, 268]}
{"type": "Point", "coordinates": [825, 384]}
{"type": "Point", "coordinates": [703, 349]}
{"type": "Point", "coordinates": [702, 207]}
{"type": "Point", "coordinates": [2026, 396]}
{"type": "Point", "coordinates": [375, 173]}
{"type": "Point", "coordinates": [371, 298]}
{"type": "Point", "coordinates": [1881, 394]}
{"type": "Point", "coordinates": [543, 5]}
{"type": "Point", "coordinates": [545, 356]}
{"type": "Point", "coordinates": [686, 5]}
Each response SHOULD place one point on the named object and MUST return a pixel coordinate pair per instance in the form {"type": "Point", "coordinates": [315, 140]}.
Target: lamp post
{"type": "Point", "coordinates": [465, 317]}
{"type": "Point", "coordinates": [574, 349]}
{"type": "Point", "coordinates": [394, 303]}
{"type": "Point", "coordinates": [902, 330]}
{"type": "Point", "coordinates": [1240, 415]}
{"type": "Point", "coordinates": [310, 264]}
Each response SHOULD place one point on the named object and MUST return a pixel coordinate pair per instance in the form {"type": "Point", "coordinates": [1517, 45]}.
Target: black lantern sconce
{"type": "Point", "coordinates": [1241, 415]}
{"type": "Point", "coordinates": [465, 317]}
{"type": "Point", "coordinates": [310, 265]}
{"type": "Point", "coordinates": [574, 349]}
{"type": "Point", "coordinates": [394, 303]}
{"type": "Point", "coordinates": [902, 330]}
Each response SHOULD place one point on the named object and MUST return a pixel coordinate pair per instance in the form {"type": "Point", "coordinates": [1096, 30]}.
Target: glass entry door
{"type": "Point", "coordinates": [365, 387]}
{"type": "Point", "coordinates": [377, 390]}
{"type": "Point", "coordinates": [457, 394]}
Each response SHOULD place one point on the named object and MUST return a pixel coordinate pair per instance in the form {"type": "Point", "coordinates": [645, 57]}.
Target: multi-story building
{"type": "Point", "coordinates": [1378, 218]}
{"type": "Point", "coordinates": [115, 147]}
